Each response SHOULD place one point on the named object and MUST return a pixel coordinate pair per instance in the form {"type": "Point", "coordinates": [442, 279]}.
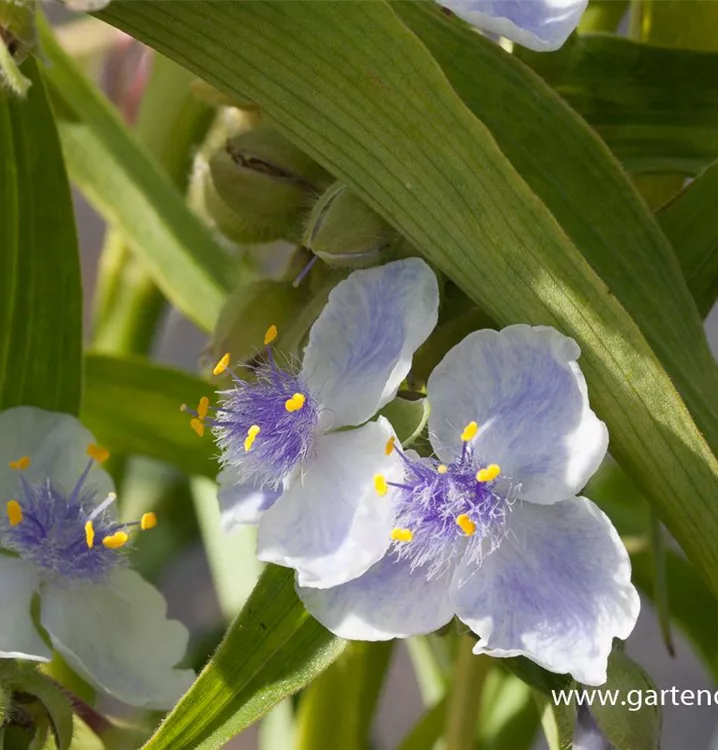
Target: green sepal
{"type": "Point", "coordinates": [407, 417]}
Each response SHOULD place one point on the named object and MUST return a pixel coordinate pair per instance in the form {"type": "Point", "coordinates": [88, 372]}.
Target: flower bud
{"type": "Point", "coordinates": [18, 38]}
{"type": "Point", "coordinates": [259, 186]}
{"type": "Point", "coordinates": [346, 233]}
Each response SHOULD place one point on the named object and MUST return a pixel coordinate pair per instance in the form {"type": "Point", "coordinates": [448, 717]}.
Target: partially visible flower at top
{"type": "Point", "coordinates": [492, 530]}
{"type": "Point", "coordinates": [288, 463]}
{"type": "Point", "coordinates": [541, 25]}
{"type": "Point", "coordinates": [60, 542]}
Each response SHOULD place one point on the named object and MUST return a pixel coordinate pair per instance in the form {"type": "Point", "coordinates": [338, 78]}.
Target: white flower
{"type": "Point", "coordinates": [60, 542]}
{"type": "Point", "coordinates": [492, 530]}
{"type": "Point", "coordinates": [289, 464]}
{"type": "Point", "coordinates": [541, 25]}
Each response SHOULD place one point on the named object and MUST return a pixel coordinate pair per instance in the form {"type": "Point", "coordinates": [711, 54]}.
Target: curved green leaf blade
{"type": "Point", "coordinates": [40, 287]}
{"type": "Point", "coordinates": [123, 182]}
{"type": "Point", "coordinates": [271, 650]}
{"type": "Point", "coordinates": [356, 90]}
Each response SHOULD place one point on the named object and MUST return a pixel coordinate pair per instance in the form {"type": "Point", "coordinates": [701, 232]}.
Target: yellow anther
{"type": "Point", "coordinates": [197, 426]}
{"type": "Point", "coordinates": [222, 365]}
{"type": "Point", "coordinates": [380, 485]}
{"type": "Point", "coordinates": [21, 464]}
{"type": "Point", "coordinates": [202, 408]}
{"type": "Point", "coordinates": [402, 535]}
{"type": "Point", "coordinates": [295, 403]}
{"type": "Point", "coordinates": [14, 512]}
{"type": "Point", "coordinates": [148, 521]}
{"type": "Point", "coordinates": [90, 535]}
{"type": "Point", "coordinates": [469, 432]}
{"type": "Point", "coordinates": [270, 335]}
{"type": "Point", "coordinates": [488, 474]}
{"type": "Point", "coordinates": [252, 433]}
{"type": "Point", "coordinates": [97, 453]}
{"type": "Point", "coordinates": [116, 540]}
{"type": "Point", "coordinates": [389, 447]}
{"type": "Point", "coordinates": [466, 524]}
{"type": "Point", "coordinates": [442, 468]}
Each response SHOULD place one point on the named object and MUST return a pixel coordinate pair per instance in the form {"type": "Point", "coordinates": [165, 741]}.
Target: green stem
{"type": "Point", "coordinates": [467, 686]}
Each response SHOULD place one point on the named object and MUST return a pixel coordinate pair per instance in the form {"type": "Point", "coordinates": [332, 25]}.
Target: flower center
{"type": "Point", "coordinates": [264, 427]}
{"type": "Point", "coordinates": [65, 535]}
{"type": "Point", "coordinates": [444, 511]}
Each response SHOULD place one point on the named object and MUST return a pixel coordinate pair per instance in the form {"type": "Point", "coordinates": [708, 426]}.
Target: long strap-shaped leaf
{"type": "Point", "coordinates": [40, 288]}
{"type": "Point", "coordinates": [351, 85]}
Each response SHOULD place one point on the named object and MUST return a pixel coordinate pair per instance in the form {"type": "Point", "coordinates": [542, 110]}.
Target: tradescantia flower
{"type": "Point", "coordinates": [61, 544]}
{"type": "Point", "coordinates": [541, 25]}
{"type": "Point", "coordinates": [492, 530]}
{"type": "Point", "coordinates": [289, 464]}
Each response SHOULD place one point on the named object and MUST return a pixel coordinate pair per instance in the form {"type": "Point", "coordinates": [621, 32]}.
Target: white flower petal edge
{"type": "Point", "coordinates": [523, 387]}
{"type": "Point", "coordinates": [19, 638]}
{"type": "Point", "coordinates": [388, 601]}
{"type": "Point", "coordinates": [541, 25]}
{"type": "Point", "coordinates": [330, 524]}
{"type": "Point", "coordinates": [241, 504]}
{"type": "Point", "coordinates": [557, 590]}
{"type": "Point", "coordinates": [56, 445]}
{"type": "Point", "coordinates": [360, 347]}
{"type": "Point", "coordinates": [116, 635]}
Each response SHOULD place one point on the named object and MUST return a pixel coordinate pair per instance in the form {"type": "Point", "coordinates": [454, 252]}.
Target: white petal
{"type": "Point", "coordinates": [557, 590]}
{"type": "Point", "coordinates": [56, 445]}
{"type": "Point", "coordinates": [541, 25]}
{"type": "Point", "coordinates": [360, 347]}
{"type": "Point", "coordinates": [19, 638]}
{"type": "Point", "coordinates": [330, 524]}
{"type": "Point", "coordinates": [388, 601]}
{"type": "Point", "coordinates": [241, 504]}
{"type": "Point", "coordinates": [117, 636]}
{"type": "Point", "coordinates": [524, 389]}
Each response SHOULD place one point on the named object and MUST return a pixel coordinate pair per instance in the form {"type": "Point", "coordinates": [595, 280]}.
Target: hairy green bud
{"type": "Point", "coordinates": [346, 233]}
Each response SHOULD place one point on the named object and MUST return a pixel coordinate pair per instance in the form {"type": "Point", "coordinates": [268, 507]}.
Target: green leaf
{"type": "Point", "coordinates": [40, 288]}
{"type": "Point", "coordinates": [689, 222]}
{"type": "Point", "coordinates": [427, 730]}
{"type": "Point", "coordinates": [358, 92]}
{"type": "Point", "coordinates": [655, 107]}
{"type": "Point", "coordinates": [132, 406]}
{"type": "Point", "coordinates": [129, 189]}
{"type": "Point", "coordinates": [271, 650]}
{"type": "Point", "coordinates": [407, 417]}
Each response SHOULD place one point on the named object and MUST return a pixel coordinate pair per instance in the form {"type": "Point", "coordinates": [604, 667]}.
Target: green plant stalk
{"type": "Point", "coordinates": [603, 16]}
{"type": "Point", "coordinates": [467, 685]}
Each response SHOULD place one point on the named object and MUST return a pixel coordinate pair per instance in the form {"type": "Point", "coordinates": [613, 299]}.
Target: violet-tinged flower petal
{"type": "Point", "coordinates": [388, 601]}
{"type": "Point", "coordinates": [524, 389]}
{"type": "Point", "coordinates": [541, 25]}
{"type": "Point", "coordinates": [241, 504]}
{"type": "Point", "coordinates": [557, 590]}
{"type": "Point", "coordinates": [360, 347]}
{"type": "Point", "coordinates": [330, 524]}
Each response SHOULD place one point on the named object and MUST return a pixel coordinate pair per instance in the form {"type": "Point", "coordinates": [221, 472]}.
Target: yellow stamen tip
{"type": "Point", "coordinates": [202, 408]}
{"type": "Point", "coordinates": [469, 432]}
{"type": "Point", "coordinates": [183, 408]}
{"type": "Point", "coordinates": [148, 521]}
{"type": "Point", "coordinates": [222, 365]}
{"type": "Point", "coordinates": [380, 485]}
{"type": "Point", "coordinates": [21, 464]}
{"type": "Point", "coordinates": [252, 433]}
{"type": "Point", "coordinates": [97, 453]}
{"type": "Point", "coordinates": [116, 540]}
{"type": "Point", "coordinates": [197, 426]}
{"type": "Point", "coordinates": [90, 535]}
{"type": "Point", "coordinates": [270, 335]}
{"type": "Point", "coordinates": [389, 447]}
{"type": "Point", "coordinates": [442, 468]}
{"type": "Point", "coordinates": [402, 535]}
{"type": "Point", "coordinates": [488, 474]}
{"type": "Point", "coordinates": [466, 524]}
{"type": "Point", "coordinates": [295, 403]}
{"type": "Point", "coordinates": [14, 512]}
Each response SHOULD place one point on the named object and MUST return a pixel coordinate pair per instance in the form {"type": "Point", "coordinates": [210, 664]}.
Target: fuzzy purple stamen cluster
{"type": "Point", "coordinates": [285, 438]}
{"type": "Point", "coordinates": [429, 502]}
{"type": "Point", "coordinates": [51, 535]}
